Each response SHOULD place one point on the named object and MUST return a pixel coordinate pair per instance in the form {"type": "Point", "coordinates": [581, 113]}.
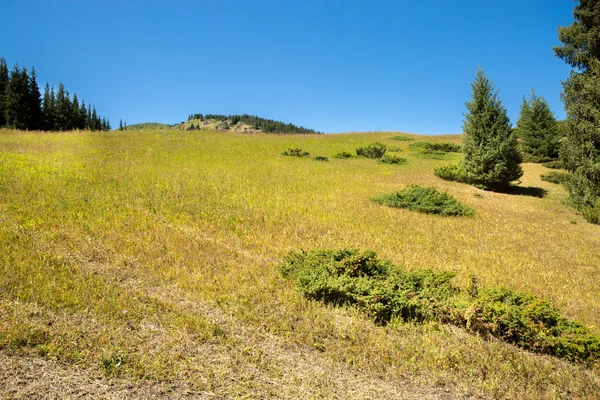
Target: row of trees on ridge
{"type": "Point", "coordinates": [22, 107]}
{"type": "Point", "coordinates": [262, 124]}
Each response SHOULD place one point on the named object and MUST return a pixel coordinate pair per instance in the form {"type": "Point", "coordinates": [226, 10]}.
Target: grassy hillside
{"type": "Point", "coordinates": [148, 125]}
{"type": "Point", "coordinates": [148, 262]}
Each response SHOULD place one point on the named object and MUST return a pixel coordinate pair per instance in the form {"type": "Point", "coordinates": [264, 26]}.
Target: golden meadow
{"type": "Point", "coordinates": [153, 256]}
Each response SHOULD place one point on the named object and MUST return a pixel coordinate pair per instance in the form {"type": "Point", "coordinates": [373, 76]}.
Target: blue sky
{"type": "Point", "coordinates": [335, 66]}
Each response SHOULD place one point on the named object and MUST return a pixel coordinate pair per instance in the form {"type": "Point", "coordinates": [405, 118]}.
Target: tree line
{"type": "Point", "coordinates": [22, 106]}
{"type": "Point", "coordinates": [262, 124]}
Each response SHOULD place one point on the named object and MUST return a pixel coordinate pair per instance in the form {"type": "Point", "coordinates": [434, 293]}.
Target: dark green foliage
{"type": "Point", "coordinates": [492, 159]}
{"type": "Point", "coordinates": [554, 164]}
{"type": "Point", "coordinates": [445, 147]}
{"type": "Point", "coordinates": [402, 138]}
{"type": "Point", "coordinates": [580, 151]}
{"type": "Point", "coordinates": [374, 150]}
{"type": "Point", "coordinates": [262, 124]}
{"type": "Point", "coordinates": [394, 149]}
{"type": "Point", "coordinates": [432, 154]}
{"type": "Point", "coordinates": [343, 154]}
{"type": "Point", "coordinates": [390, 159]}
{"type": "Point", "coordinates": [384, 292]}
{"type": "Point", "coordinates": [555, 177]}
{"type": "Point", "coordinates": [3, 85]}
{"type": "Point", "coordinates": [537, 128]}
{"type": "Point", "coordinates": [320, 158]}
{"type": "Point", "coordinates": [17, 99]}
{"type": "Point", "coordinates": [451, 173]}
{"type": "Point", "coordinates": [295, 152]}
{"type": "Point", "coordinates": [376, 287]}
{"type": "Point", "coordinates": [530, 323]}
{"type": "Point", "coordinates": [424, 199]}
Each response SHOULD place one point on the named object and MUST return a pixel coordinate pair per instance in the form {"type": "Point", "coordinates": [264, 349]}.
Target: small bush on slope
{"type": "Point", "coordinates": [424, 199]}
{"type": "Point", "coordinates": [402, 138]}
{"type": "Point", "coordinates": [389, 159]}
{"type": "Point", "coordinates": [555, 177]}
{"type": "Point", "coordinates": [447, 147]}
{"type": "Point", "coordinates": [384, 291]}
{"type": "Point", "coordinates": [320, 158]}
{"type": "Point", "coordinates": [451, 173]}
{"type": "Point", "coordinates": [374, 150]}
{"type": "Point", "coordinates": [554, 164]}
{"type": "Point", "coordinates": [295, 152]}
{"type": "Point", "coordinates": [343, 154]}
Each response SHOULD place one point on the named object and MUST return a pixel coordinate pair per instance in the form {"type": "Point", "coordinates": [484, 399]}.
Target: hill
{"type": "Point", "coordinates": [147, 264]}
{"type": "Point", "coordinates": [240, 123]}
{"type": "Point", "coordinates": [147, 125]}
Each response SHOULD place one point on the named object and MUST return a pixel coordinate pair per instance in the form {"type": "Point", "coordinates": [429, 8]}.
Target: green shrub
{"type": "Point", "coordinates": [343, 154]}
{"type": "Point", "coordinates": [350, 277]}
{"type": "Point", "coordinates": [384, 292]}
{"type": "Point", "coordinates": [295, 152]}
{"type": "Point", "coordinates": [554, 164]}
{"type": "Point", "coordinates": [402, 138]}
{"type": "Point", "coordinates": [394, 148]}
{"type": "Point", "coordinates": [320, 158]}
{"type": "Point", "coordinates": [389, 159]}
{"type": "Point", "coordinates": [447, 147]}
{"type": "Point", "coordinates": [424, 199]}
{"type": "Point", "coordinates": [530, 158]}
{"type": "Point", "coordinates": [450, 173]}
{"type": "Point", "coordinates": [555, 177]}
{"type": "Point", "coordinates": [432, 154]}
{"type": "Point", "coordinates": [374, 150]}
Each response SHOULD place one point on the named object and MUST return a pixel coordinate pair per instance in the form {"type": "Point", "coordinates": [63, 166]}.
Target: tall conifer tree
{"type": "Point", "coordinates": [492, 159]}
{"type": "Point", "coordinates": [581, 95]}
{"type": "Point", "coordinates": [34, 102]}
{"type": "Point", "coordinates": [537, 128]}
{"type": "Point", "coordinates": [3, 86]}
{"type": "Point", "coordinates": [16, 101]}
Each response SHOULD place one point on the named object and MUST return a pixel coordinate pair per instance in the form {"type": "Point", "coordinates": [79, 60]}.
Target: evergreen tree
{"type": "Point", "coordinates": [61, 110]}
{"type": "Point", "coordinates": [3, 86]}
{"type": "Point", "coordinates": [90, 123]}
{"type": "Point", "coordinates": [537, 128]}
{"type": "Point", "coordinates": [581, 95]}
{"type": "Point", "coordinates": [120, 124]}
{"type": "Point", "coordinates": [48, 108]}
{"type": "Point", "coordinates": [74, 113]}
{"type": "Point", "coordinates": [16, 100]}
{"type": "Point", "coordinates": [34, 103]}
{"type": "Point", "coordinates": [83, 117]}
{"type": "Point", "coordinates": [492, 159]}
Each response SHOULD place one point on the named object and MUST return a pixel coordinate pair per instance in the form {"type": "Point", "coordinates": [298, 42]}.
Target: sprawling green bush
{"type": "Point", "coordinates": [555, 177]}
{"type": "Point", "coordinates": [374, 150]}
{"type": "Point", "coordinates": [554, 164]}
{"type": "Point", "coordinates": [450, 173]}
{"type": "Point", "coordinates": [295, 152]}
{"type": "Point", "coordinates": [402, 138]}
{"type": "Point", "coordinates": [394, 148]}
{"type": "Point", "coordinates": [320, 158]}
{"type": "Point", "coordinates": [530, 158]}
{"type": "Point", "coordinates": [390, 159]}
{"type": "Point", "coordinates": [424, 199]}
{"type": "Point", "coordinates": [385, 292]}
{"type": "Point", "coordinates": [447, 147]}
{"type": "Point", "coordinates": [343, 154]}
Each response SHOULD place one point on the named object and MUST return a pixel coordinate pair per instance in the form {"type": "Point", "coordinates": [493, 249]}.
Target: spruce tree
{"type": "Point", "coordinates": [61, 114]}
{"type": "Point", "coordinates": [34, 103]}
{"type": "Point", "coordinates": [48, 108]}
{"type": "Point", "coordinates": [83, 117]}
{"type": "Point", "coordinates": [16, 100]}
{"type": "Point", "coordinates": [581, 95]}
{"type": "Point", "coordinates": [537, 128]}
{"type": "Point", "coordinates": [3, 86]}
{"type": "Point", "coordinates": [492, 159]}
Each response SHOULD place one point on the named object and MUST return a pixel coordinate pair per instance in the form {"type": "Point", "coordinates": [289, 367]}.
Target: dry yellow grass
{"type": "Point", "coordinates": [152, 256]}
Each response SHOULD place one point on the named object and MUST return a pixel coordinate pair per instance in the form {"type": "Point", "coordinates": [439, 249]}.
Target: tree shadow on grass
{"type": "Point", "coordinates": [523, 191]}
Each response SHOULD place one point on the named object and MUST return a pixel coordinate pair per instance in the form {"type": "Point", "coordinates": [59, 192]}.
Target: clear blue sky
{"type": "Point", "coordinates": [335, 66]}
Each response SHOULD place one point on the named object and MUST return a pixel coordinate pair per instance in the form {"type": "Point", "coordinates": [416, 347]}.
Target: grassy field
{"type": "Point", "coordinates": [148, 261]}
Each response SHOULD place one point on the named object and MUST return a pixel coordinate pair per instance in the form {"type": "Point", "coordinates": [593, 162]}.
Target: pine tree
{"type": "Point", "coordinates": [120, 124]}
{"type": "Point", "coordinates": [90, 123]}
{"type": "Point", "coordinates": [581, 95]}
{"type": "Point", "coordinates": [537, 128]}
{"type": "Point", "coordinates": [61, 109]}
{"type": "Point", "coordinates": [3, 86]}
{"type": "Point", "coordinates": [492, 159]}
{"type": "Point", "coordinates": [83, 117]}
{"type": "Point", "coordinates": [34, 103]}
{"type": "Point", "coordinates": [48, 108]}
{"type": "Point", "coordinates": [16, 107]}
{"type": "Point", "coordinates": [74, 113]}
